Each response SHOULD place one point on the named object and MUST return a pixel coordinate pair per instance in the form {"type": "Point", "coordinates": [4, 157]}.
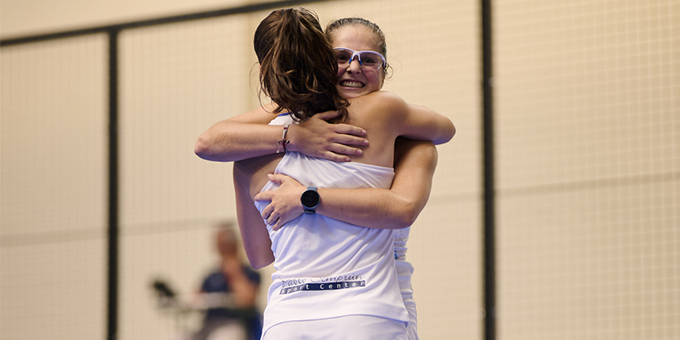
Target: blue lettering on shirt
{"type": "Point", "coordinates": [328, 286]}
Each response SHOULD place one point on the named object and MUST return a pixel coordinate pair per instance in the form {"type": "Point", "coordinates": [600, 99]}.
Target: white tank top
{"type": "Point", "coordinates": [327, 268]}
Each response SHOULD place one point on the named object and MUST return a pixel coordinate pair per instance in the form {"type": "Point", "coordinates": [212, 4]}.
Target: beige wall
{"type": "Point", "coordinates": [587, 145]}
{"type": "Point", "coordinates": [53, 189]}
{"type": "Point", "coordinates": [588, 169]}
{"type": "Point", "coordinates": [29, 17]}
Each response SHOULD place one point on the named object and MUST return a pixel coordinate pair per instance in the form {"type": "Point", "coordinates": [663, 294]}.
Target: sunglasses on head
{"type": "Point", "coordinates": [370, 59]}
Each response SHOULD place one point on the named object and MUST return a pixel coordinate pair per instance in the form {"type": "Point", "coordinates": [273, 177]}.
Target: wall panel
{"type": "Point", "coordinates": [588, 159]}
{"type": "Point", "coordinates": [53, 180]}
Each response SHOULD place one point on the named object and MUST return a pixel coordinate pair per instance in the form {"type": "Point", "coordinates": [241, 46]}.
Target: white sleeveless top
{"type": "Point", "coordinates": [327, 268]}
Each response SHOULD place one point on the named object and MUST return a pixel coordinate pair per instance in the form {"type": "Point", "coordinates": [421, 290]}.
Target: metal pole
{"type": "Point", "coordinates": [489, 181]}
{"type": "Point", "coordinates": [112, 309]}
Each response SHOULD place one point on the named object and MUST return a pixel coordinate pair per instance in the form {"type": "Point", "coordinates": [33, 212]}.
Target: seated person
{"type": "Point", "coordinates": [229, 293]}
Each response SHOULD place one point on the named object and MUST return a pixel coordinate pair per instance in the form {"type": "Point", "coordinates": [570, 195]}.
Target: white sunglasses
{"type": "Point", "coordinates": [370, 59]}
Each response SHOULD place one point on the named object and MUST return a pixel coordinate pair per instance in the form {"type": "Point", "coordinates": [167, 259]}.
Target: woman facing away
{"type": "Point", "coordinates": [381, 208]}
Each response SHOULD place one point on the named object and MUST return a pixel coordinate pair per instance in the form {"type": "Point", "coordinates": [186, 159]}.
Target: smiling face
{"type": "Point", "coordinates": [354, 80]}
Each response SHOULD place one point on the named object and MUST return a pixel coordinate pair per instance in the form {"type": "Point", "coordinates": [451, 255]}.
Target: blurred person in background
{"type": "Point", "coordinates": [229, 294]}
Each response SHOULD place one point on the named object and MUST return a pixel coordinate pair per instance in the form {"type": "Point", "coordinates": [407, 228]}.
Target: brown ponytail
{"type": "Point", "coordinates": [298, 67]}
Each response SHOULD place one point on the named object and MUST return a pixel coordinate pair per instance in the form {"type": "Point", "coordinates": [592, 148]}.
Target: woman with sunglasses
{"type": "Point", "coordinates": [359, 73]}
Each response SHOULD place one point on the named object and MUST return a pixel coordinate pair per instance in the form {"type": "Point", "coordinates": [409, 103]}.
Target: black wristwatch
{"type": "Point", "coordinates": [310, 200]}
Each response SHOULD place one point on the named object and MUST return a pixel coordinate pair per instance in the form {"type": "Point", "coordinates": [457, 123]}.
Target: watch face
{"type": "Point", "coordinates": [310, 199]}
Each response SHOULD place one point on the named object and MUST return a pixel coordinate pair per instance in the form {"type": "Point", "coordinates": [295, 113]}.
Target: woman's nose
{"type": "Point", "coordinates": [354, 65]}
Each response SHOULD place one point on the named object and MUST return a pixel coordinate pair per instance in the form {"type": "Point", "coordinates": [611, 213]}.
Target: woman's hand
{"type": "Point", "coordinates": [248, 136]}
{"type": "Point", "coordinates": [315, 137]}
{"type": "Point", "coordinates": [285, 201]}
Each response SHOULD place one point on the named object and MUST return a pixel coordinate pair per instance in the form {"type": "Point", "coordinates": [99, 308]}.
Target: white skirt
{"type": "Point", "coordinates": [355, 327]}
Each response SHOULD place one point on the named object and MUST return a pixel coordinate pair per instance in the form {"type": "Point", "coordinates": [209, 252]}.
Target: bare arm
{"type": "Point", "coordinates": [444, 128]}
{"type": "Point", "coordinates": [393, 208]}
{"type": "Point", "coordinates": [406, 120]}
{"type": "Point", "coordinates": [254, 233]}
{"type": "Point", "coordinates": [248, 135]}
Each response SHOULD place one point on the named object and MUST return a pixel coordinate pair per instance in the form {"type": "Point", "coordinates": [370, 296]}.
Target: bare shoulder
{"type": "Point", "coordinates": [385, 97]}
{"type": "Point", "coordinates": [380, 101]}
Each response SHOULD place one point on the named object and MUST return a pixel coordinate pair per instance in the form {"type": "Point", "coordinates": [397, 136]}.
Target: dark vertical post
{"type": "Point", "coordinates": [489, 185]}
{"type": "Point", "coordinates": [112, 311]}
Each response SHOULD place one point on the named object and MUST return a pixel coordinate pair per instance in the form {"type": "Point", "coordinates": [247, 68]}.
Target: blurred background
{"type": "Point", "coordinates": [586, 150]}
